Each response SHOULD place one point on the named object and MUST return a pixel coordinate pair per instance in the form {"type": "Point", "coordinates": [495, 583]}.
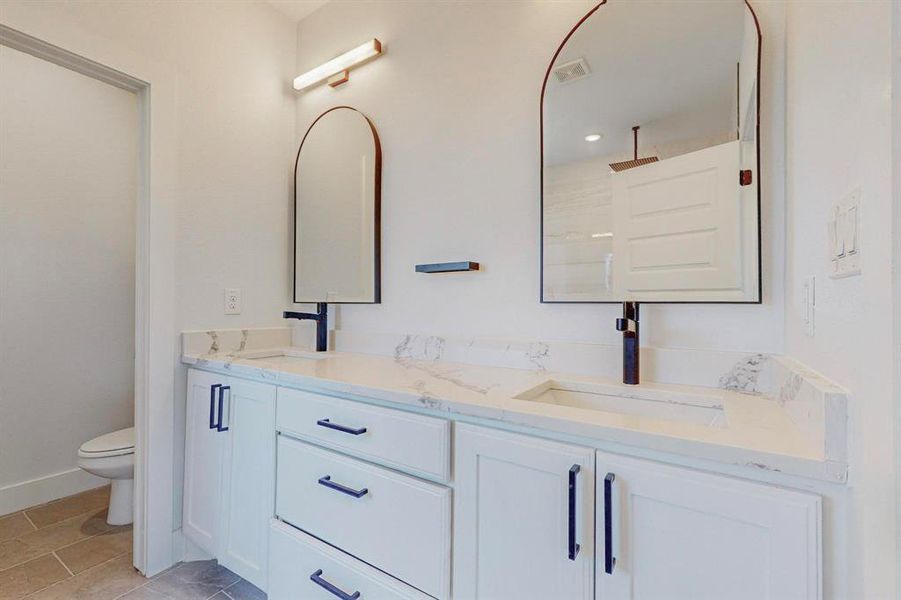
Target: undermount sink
{"type": "Point", "coordinates": [281, 356]}
{"type": "Point", "coordinates": [651, 403]}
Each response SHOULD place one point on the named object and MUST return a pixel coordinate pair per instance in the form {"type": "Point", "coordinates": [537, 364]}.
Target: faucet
{"type": "Point", "coordinates": [628, 324]}
{"type": "Point", "coordinates": [321, 318]}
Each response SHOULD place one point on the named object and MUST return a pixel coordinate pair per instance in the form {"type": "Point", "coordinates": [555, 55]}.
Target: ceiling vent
{"type": "Point", "coordinates": [572, 71]}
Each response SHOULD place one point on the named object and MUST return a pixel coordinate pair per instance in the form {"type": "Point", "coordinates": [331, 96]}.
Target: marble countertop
{"type": "Point", "coordinates": [759, 431]}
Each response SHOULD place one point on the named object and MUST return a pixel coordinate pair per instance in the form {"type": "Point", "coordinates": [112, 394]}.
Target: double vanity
{"type": "Point", "coordinates": [359, 475]}
{"type": "Point", "coordinates": [345, 475]}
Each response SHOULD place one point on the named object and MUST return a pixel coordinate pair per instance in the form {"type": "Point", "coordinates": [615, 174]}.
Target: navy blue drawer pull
{"type": "Point", "coordinates": [318, 580]}
{"type": "Point", "coordinates": [609, 559]}
{"type": "Point", "coordinates": [213, 389]}
{"type": "Point", "coordinates": [336, 427]}
{"type": "Point", "coordinates": [222, 389]}
{"type": "Point", "coordinates": [327, 482]}
{"type": "Point", "coordinates": [573, 546]}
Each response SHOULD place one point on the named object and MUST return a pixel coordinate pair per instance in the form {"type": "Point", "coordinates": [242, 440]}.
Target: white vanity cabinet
{"type": "Point", "coordinates": [328, 486]}
{"type": "Point", "coordinates": [523, 517]}
{"type": "Point", "coordinates": [391, 503]}
{"type": "Point", "coordinates": [248, 482]}
{"type": "Point", "coordinates": [230, 471]}
{"type": "Point", "coordinates": [202, 504]}
{"type": "Point", "coordinates": [394, 522]}
{"type": "Point", "coordinates": [683, 534]}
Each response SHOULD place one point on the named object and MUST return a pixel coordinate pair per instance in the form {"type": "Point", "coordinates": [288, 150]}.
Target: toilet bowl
{"type": "Point", "coordinates": [113, 456]}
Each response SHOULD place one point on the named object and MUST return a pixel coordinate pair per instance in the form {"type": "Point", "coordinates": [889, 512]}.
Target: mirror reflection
{"type": "Point", "coordinates": [650, 156]}
{"type": "Point", "coordinates": [337, 202]}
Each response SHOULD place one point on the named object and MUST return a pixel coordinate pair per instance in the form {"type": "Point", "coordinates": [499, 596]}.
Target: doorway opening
{"type": "Point", "coordinates": [74, 285]}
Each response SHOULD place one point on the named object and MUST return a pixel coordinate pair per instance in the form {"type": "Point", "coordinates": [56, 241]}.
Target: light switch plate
{"type": "Point", "coordinates": [844, 236]}
{"type": "Point", "coordinates": [808, 303]}
{"type": "Point", "coordinates": [233, 301]}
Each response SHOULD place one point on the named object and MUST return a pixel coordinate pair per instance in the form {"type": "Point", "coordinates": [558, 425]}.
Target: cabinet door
{"type": "Point", "coordinates": [248, 478]}
{"type": "Point", "coordinates": [203, 461]}
{"type": "Point", "coordinates": [683, 534]}
{"type": "Point", "coordinates": [517, 517]}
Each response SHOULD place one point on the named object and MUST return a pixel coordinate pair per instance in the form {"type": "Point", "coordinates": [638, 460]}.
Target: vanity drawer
{"type": "Point", "coordinates": [300, 566]}
{"type": "Point", "coordinates": [404, 441]}
{"type": "Point", "coordinates": [392, 521]}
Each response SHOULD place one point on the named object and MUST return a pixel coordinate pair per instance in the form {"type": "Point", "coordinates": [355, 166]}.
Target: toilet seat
{"type": "Point", "coordinates": [117, 443]}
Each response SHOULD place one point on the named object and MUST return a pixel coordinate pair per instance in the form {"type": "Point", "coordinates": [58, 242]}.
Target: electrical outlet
{"type": "Point", "coordinates": [233, 301]}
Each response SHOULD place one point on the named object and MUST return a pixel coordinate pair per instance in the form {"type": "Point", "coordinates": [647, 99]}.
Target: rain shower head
{"type": "Point", "coordinates": [635, 162]}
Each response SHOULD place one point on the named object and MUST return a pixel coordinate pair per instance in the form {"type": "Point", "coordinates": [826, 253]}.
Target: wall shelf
{"type": "Point", "coordinates": [448, 267]}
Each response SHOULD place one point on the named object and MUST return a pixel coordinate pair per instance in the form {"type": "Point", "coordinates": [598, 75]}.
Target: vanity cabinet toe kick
{"type": "Point", "coordinates": [312, 496]}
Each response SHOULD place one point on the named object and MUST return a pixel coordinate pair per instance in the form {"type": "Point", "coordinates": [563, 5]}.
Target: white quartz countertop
{"type": "Point", "coordinates": [757, 431]}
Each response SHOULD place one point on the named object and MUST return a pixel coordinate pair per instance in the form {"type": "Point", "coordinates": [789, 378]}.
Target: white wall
{"type": "Point", "coordinates": [223, 72]}
{"type": "Point", "coordinates": [233, 63]}
{"type": "Point", "coordinates": [68, 192]}
{"type": "Point", "coordinates": [455, 99]}
{"type": "Point", "coordinates": [839, 124]}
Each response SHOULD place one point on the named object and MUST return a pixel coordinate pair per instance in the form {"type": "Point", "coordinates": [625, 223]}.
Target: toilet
{"type": "Point", "coordinates": [113, 456]}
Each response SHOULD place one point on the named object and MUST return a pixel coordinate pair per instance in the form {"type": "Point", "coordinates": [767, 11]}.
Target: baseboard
{"type": "Point", "coordinates": [44, 489]}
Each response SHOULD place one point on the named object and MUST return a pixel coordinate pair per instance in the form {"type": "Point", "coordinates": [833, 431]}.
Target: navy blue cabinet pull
{"type": "Point", "coordinates": [213, 389]}
{"type": "Point", "coordinates": [336, 427]}
{"type": "Point", "coordinates": [222, 389]}
{"type": "Point", "coordinates": [573, 546]}
{"type": "Point", "coordinates": [318, 580]}
{"type": "Point", "coordinates": [327, 482]}
{"type": "Point", "coordinates": [609, 559]}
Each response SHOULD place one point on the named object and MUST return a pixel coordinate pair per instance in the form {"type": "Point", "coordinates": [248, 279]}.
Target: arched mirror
{"type": "Point", "coordinates": [650, 154]}
{"type": "Point", "coordinates": [337, 180]}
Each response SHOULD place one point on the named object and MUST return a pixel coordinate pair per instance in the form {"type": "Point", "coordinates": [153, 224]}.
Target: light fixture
{"type": "Point", "coordinates": [336, 70]}
{"type": "Point", "coordinates": [593, 137]}
{"type": "Point", "coordinates": [602, 235]}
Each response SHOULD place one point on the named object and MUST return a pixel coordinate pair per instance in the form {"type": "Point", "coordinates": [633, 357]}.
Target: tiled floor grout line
{"type": "Point", "coordinates": [51, 553]}
{"type": "Point", "coordinates": [84, 539]}
{"type": "Point", "coordinates": [98, 565]}
{"type": "Point", "coordinates": [27, 518]}
{"type": "Point", "coordinates": [122, 595]}
{"type": "Point", "coordinates": [225, 590]}
{"type": "Point", "coordinates": [150, 580]}
{"type": "Point", "coordinates": [142, 583]}
{"type": "Point", "coordinates": [32, 593]}
{"type": "Point", "coordinates": [25, 562]}
{"type": "Point", "coordinates": [55, 550]}
{"type": "Point", "coordinates": [65, 566]}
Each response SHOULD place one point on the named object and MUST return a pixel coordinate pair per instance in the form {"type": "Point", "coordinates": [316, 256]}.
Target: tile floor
{"type": "Point", "coordinates": [64, 550]}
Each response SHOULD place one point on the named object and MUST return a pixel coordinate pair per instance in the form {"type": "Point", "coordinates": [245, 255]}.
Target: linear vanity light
{"type": "Point", "coordinates": [336, 70]}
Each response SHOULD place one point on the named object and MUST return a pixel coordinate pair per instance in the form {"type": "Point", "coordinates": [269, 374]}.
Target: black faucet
{"type": "Point", "coordinates": [321, 318]}
{"type": "Point", "coordinates": [628, 324]}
